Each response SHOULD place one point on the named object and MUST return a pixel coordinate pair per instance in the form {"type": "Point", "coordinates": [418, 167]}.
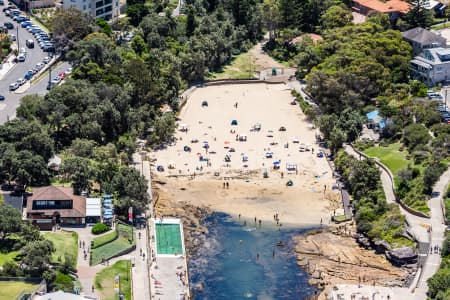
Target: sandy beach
{"type": "Point", "coordinates": [228, 137]}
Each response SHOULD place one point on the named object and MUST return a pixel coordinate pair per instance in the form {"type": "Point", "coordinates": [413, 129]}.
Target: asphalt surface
{"type": "Point", "coordinates": [35, 55]}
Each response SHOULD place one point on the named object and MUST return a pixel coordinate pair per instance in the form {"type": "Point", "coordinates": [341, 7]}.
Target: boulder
{"type": "Point", "coordinates": [381, 247]}
{"type": "Point", "coordinates": [402, 256]}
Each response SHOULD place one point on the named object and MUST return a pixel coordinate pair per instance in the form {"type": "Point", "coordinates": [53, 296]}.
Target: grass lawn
{"type": "Point", "coordinates": [65, 242]}
{"type": "Point", "coordinates": [106, 238]}
{"type": "Point", "coordinates": [4, 257]}
{"type": "Point", "coordinates": [241, 67]}
{"type": "Point", "coordinates": [390, 156]}
{"type": "Point", "coordinates": [118, 245]}
{"type": "Point", "coordinates": [104, 280]}
{"type": "Point", "coordinates": [12, 289]}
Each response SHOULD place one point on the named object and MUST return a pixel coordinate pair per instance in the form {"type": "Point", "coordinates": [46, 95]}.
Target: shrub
{"type": "Point", "coordinates": [63, 282]}
{"type": "Point", "coordinates": [100, 228]}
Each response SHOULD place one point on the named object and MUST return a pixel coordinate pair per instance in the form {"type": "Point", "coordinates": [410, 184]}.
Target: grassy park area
{"type": "Point", "coordinates": [12, 289]}
{"type": "Point", "coordinates": [241, 67]}
{"type": "Point", "coordinates": [65, 243]}
{"type": "Point", "coordinates": [390, 156]}
{"type": "Point", "coordinates": [124, 241]}
{"type": "Point", "coordinates": [104, 280]}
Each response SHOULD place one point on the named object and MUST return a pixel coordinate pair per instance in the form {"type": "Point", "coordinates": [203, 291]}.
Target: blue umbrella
{"type": "Point", "coordinates": [276, 162]}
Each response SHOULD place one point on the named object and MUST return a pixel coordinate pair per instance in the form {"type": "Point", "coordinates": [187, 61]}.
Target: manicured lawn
{"type": "Point", "coordinates": [104, 280]}
{"type": "Point", "coordinates": [241, 67]}
{"type": "Point", "coordinates": [12, 289]}
{"type": "Point", "coordinates": [390, 156]}
{"type": "Point", "coordinates": [64, 242]}
{"type": "Point", "coordinates": [106, 238]}
{"type": "Point", "coordinates": [4, 257]}
{"type": "Point", "coordinates": [124, 241]}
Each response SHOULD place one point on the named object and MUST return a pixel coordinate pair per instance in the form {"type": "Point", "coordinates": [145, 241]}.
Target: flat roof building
{"type": "Point", "coordinates": [99, 9]}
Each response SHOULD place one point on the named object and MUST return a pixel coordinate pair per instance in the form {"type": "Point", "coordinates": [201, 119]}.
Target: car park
{"type": "Point", "coordinates": [13, 86]}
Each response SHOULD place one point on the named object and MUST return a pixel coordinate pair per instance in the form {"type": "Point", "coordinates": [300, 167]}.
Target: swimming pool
{"type": "Point", "coordinates": [168, 239]}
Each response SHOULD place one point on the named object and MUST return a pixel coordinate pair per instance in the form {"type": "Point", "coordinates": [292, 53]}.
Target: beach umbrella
{"type": "Point", "coordinates": [234, 122]}
{"type": "Point", "coordinates": [226, 142]}
{"type": "Point", "coordinates": [276, 163]}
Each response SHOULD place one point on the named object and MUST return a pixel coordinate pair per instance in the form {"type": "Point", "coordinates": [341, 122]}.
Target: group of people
{"type": "Point", "coordinates": [82, 244]}
{"type": "Point", "coordinates": [436, 249]}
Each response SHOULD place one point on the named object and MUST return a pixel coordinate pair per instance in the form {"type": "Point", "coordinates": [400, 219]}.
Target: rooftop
{"type": "Point", "coordinates": [386, 7]}
{"type": "Point", "coordinates": [423, 36]}
{"type": "Point", "coordinates": [58, 193]}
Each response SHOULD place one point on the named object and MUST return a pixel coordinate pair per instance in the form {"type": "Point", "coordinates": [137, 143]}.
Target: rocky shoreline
{"type": "Point", "coordinates": [332, 256]}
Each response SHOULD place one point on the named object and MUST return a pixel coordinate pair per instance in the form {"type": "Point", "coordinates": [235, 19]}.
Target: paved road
{"type": "Point", "coordinates": [34, 56]}
{"type": "Point", "coordinates": [9, 106]}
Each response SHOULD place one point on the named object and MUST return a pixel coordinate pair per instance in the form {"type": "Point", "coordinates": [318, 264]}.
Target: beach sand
{"type": "Point", "coordinates": [310, 199]}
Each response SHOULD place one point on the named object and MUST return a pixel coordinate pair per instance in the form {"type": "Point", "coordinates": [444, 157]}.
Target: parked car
{"type": "Point", "coordinates": [9, 25]}
{"type": "Point", "coordinates": [13, 37]}
{"type": "Point", "coordinates": [39, 66]}
{"type": "Point", "coordinates": [46, 60]}
{"type": "Point", "coordinates": [56, 80]}
{"type": "Point", "coordinates": [30, 43]}
{"type": "Point", "coordinates": [68, 71]}
{"type": "Point", "coordinates": [62, 75]}
{"type": "Point", "coordinates": [13, 86]}
{"type": "Point", "coordinates": [2, 98]}
{"type": "Point", "coordinates": [21, 81]}
{"type": "Point", "coordinates": [22, 50]}
{"type": "Point", "coordinates": [21, 57]}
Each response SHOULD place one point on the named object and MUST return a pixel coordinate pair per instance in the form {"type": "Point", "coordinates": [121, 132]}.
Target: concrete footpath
{"type": "Point", "coordinates": [7, 66]}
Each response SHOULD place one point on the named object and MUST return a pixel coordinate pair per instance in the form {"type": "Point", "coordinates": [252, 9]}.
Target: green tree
{"type": "Point", "coordinates": [36, 255]}
{"type": "Point", "coordinates": [10, 222]}
{"type": "Point", "coordinates": [336, 16]}
{"type": "Point", "coordinates": [419, 16]}
{"type": "Point", "coordinates": [68, 26]}
{"type": "Point", "coordinates": [79, 171]}
{"type": "Point", "coordinates": [415, 136]}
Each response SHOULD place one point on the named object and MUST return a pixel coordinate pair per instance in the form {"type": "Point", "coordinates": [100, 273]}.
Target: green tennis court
{"type": "Point", "coordinates": [168, 239]}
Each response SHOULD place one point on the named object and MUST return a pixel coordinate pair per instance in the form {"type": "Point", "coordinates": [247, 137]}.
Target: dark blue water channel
{"type": "Point", "coordinates": [227, 266]}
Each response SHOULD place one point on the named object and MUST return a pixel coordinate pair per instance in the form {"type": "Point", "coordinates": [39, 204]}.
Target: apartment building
{"type": "Point", "coordinates": [104, 9]}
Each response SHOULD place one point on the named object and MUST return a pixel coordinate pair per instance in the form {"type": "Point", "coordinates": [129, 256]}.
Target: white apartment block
{"type": "Point", "coordinates": [104, 9]}
{"type": "Point", "coordinates": [432, 66]}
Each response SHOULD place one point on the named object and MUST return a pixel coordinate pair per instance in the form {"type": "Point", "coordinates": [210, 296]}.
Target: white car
{"type": "Point", "coordinates": [46, 60]}
{"type": "Point", "coordinates": [39, 65]}
{"type": "Point", "coordinates": [21, 57]}
{"type": "Point", "coordinates": [13, 86]}
{"type": "Point", "coordinates": [68, 71]}
{"type": "Point", "coordinates": [56, 80]}
{"type": "Point", "coordinates": [21, 81]}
